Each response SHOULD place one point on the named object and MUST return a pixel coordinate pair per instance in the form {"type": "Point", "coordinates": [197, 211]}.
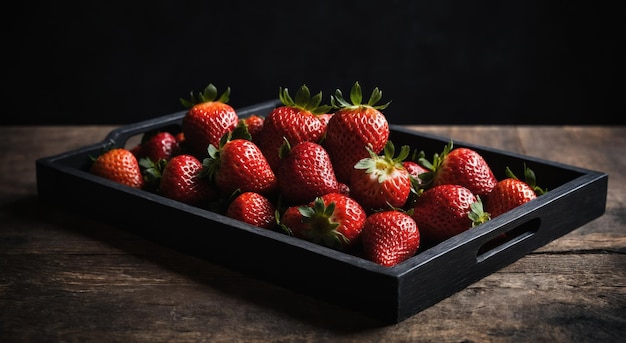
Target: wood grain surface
{"type": "Point", "coordinates": [66, 278]}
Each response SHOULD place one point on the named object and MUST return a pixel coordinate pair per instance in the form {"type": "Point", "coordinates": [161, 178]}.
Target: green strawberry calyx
{"type": "Point", "coordinates": [356, 98]}
{"type": "Point", "coordinates": [322, 229]}
{"type": "Point", "coordinates": [208, 94]}
{"type": "Point", "coordinates": [385, 165]}
{"type": "Point", "coordinates": [477, 214]}
{"type": "Point", "coordinates": [432, 167]}
{"type": "Point", "coordinates": [529, 177]}
{"type": "Point", "coordinates": [304, 101]}
{"type": "Point", "coordinates": [152, 172]}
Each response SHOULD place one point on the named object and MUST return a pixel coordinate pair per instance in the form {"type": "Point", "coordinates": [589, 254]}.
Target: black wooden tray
{"type": "Point", "coordinates": [391, 294]}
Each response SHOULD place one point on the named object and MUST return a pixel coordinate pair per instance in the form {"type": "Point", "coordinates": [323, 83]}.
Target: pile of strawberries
{"type": "Point", "coordinates": [328, 174]}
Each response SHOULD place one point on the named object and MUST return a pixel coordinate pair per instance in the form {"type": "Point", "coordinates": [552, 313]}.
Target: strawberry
{"type": "Point", "coordinates": [459, 166]}
{"type": "Point", "coordinates": [254, 124]}
{"type": "Point", "coordinates": [390, 237]}
{"type": "Point", "coordinates": [159, 145]}
{"type": "Point", "coordinates": [154, 151]}
{"type": "Point", "coordinates": [207, 119]}
{"type": "Point", "coordinates": [447, 210]}
{"type": "Point", "coordinates": [181, 180]}
{"type": "Point", "coordinates": [380, 182]}
{"type": "Point", "coordinates": [253, 208]}
{"type": "Point", "coordinates": [291, 222]}
{"type": "Point", "coordinates": [415, 174]}
{"type": "Point", "coordinates": [333, 220]}
{"type": "Point", "coordinates": [512, 192]}
{"type": "Point", "coordinates": [354, 127]}
{"type": "Point", "coordinates": [238, 164]}
{"type": "Point", "coordinates": [415, 170]}
{"type": "Point", "coordinates": [296, 121]}
{"type": "Point", "coordinates": [119, 165]}
{"type": "Point", "coordinates": [305, 172]}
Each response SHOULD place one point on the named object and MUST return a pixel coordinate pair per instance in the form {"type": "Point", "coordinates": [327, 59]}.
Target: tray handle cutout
{"type": "Point", "coordinates": [508, 239]}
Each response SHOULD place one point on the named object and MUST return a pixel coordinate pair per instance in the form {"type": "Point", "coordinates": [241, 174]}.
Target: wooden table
{"type": "Point", "coordinates": [67, 278]}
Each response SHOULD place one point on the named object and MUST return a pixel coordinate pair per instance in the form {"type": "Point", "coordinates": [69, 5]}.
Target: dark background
{"type": "Point", "coordinates": [439, 61]}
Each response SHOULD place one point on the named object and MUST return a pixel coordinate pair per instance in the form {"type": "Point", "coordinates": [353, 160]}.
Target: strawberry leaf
{"type": "Point", "coordinates": [208, 94]}
{"type": "Point", "coordinates": [529, 177]}
{"type": "Point", "coordinates": [356, 97]}
{"type": "Point", "coordinates": [303, 100]}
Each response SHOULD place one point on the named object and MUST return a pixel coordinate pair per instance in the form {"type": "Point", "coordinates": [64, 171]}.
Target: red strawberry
{"type": "Point", "coordinates": [297, 121]}
{"type": "Point", "coordinates": [253, 208]}
{"type": "Point", "coordinates": [238, 164]}
{"type": "Point", "coordinates": [354, 127]}
{"type": "Point", "coordinates": [291, 222]}
{"type": "Point", "coordinates": [459, 166]}
{"type": "Point", "coordinates": [333, 220]}
{"type": "Point", "coordinates": [161, 145]}
{"type": "Point", "coordinates": [305, 172]}
{"type": "Point", "coordinates": [181, 180]}
{"type": "Point", "coordinates": [447, 210]}
{"type": "Point", "coordinates": [119, 165]}
{"type": "Point", "coordinates": [378, 182]}
{"type": "Point", "coordinates": [207, 119]}
{"type": "Point", "coordinates": [254, 123]}
{"type": "Point", "coordinates": [390, 237]}
{"type": "Point", "coordinates": [415, 170]}
{"type": "Point", "coordinates": [512, 192]}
